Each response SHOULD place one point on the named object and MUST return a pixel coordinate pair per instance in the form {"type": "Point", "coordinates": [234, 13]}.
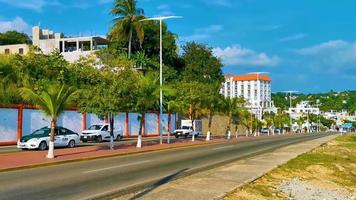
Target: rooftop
{"type": "Point", "coordinates": [249, 77]}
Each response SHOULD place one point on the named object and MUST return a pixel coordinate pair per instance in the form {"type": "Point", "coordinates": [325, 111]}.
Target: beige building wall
{"type": "Point", "coordinates": [14, 49]}
{"type": "Point", "coordinates": [219, 124]}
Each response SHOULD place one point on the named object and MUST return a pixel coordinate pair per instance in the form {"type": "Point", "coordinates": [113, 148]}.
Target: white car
{"type": "Point", "coordinates": [39, 139]}
{"type": "Point", "coordinates": [99, 133]}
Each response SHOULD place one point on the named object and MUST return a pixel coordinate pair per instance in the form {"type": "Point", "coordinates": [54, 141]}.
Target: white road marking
{"type": "Point", "coordinates": [113, 167]}
{"type": "Point", "coordinates": [223, 147]}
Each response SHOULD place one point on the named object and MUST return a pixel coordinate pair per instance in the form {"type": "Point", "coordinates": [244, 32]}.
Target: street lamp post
{"type": "Point", "coordinates": [290, 92]}
{"type": "Point", "coordinates": [160, 19]}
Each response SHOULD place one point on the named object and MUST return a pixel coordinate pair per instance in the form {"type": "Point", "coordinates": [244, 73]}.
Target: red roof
{"type": "Point", "coordinates": [251, 77]}
{"type": "Point", "coordinates": [229, 75]}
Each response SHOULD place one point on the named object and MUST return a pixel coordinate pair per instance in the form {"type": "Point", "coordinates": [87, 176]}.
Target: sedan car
{"type": "Point", "coordinates": [39, 139]}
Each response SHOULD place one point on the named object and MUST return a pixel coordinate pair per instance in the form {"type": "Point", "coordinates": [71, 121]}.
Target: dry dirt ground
{"type": "Point", "coordinates": [327, 172]}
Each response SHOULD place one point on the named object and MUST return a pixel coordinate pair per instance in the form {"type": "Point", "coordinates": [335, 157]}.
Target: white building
{"type": "Point", "coordinates": [340, 116]}
{"type": "Point", "coordinates": [303, 108]}
{"type": "Point", "coordinates": [254, 88]}
{"type": "Point", "coordinates": [72, 48]}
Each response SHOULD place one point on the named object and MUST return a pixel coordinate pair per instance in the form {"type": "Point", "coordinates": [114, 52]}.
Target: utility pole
{"type": "Point", "coordinates": [290, 92]}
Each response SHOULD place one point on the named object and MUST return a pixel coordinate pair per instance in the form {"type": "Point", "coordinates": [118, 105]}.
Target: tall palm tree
{"type": "Point", "coordinates": [52, 100]}
{"type": "Point", "coordinates": [146, 99]}
{"type": "Point", "coordinates": [126, 21]}
{"type": "Point", "coordinates": [212, 104]}
{"type": "Point", "coordinates": [232, 108]}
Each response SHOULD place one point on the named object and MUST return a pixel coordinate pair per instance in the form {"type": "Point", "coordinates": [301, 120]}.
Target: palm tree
{"type": "Point", "coordinates": [146, 99]}
{"type": "Point", "coordinates": [126, 21]}
{"type": "Point", "coordinates": [52, 100]}
{"type": "Point", "coordinates": [231, 108]}
{"type": "Point", "coordinates": [212, 104]}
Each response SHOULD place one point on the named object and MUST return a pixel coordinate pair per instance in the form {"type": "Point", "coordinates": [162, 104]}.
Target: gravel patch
{"type": "Point", "coordinates": [301, 190]}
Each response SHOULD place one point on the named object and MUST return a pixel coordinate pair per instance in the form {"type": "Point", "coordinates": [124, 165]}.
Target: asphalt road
{"type": "Point", "coordinates": [13, 148]}
{"type": "Point", "coordinates": [93, 178]}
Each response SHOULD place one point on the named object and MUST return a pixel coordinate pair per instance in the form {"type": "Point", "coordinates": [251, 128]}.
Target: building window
{"type": "Point", "coordinates": [7, 51]}
{"type": "Point", "coordinates": [21, 51]}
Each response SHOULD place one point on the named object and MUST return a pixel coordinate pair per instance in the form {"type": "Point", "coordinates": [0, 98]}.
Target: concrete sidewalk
{"type": "Point", "coordinates": [216, 183]}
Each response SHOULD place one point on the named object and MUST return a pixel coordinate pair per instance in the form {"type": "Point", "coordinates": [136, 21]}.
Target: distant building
{"type": "Point", "coordinates": [340, 116]}
{"type": "Point", "coordinates": [72, 48]}
{"type": "Point", "coordinates": [254, 88]}
{"type": "Point", "coordinates": [303, 108]}
{"type": "Point", "coordinates": [14, 49]}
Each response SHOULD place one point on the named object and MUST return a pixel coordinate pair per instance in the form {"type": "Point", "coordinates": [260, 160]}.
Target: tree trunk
{"type": "Point", "coordinates": [229, 127]}
{"type": "Point", "coordinates": [209, 126]}
{"type": "Point", "coordinates": [51, 139]}
{"type": "Point", "coordinates": [130, 41]}
{"type": "Point", "coordinates": [169, 128]}
{"type": "Point", "coordinates": [139, 137]}
{"type": "Point", "coordinates": [236, 131]}
{"type": "Point", "coordinates": [111, 120]}
{"type": "Point", "coordinates": [193, 134]}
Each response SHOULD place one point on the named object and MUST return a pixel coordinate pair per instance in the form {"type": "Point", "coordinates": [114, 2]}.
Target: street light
{"type": "Point", "coordinates": [160, 19]}
{"type": "Point", "coordinates": [290, 92]}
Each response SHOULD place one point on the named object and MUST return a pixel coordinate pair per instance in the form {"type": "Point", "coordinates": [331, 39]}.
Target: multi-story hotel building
{"type": "Point", "coordinates": [254, 88]}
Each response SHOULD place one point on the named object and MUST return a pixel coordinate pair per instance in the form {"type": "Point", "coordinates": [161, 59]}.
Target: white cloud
{"type": "Point", "coordinates": [324, 47]}
{"type": "Point", "coordinates": [226, 3]}
{"type": "Point", "coordinates": [17, 24]}
{"type": "Point", "coordinates": [298, 36]}
{"type": "Point", "coordinates": [236, 55]}
{"type": "Point", "coordinates": [201, 34]}
{"type": "Point", "coordinates": [35, 5]}
{"type": "Point", "coordinates": [164, 10]}
{"type": "Point", "coordinates": [334, 57]}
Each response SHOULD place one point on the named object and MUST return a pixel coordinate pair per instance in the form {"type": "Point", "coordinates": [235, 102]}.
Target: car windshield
{"type": "Point", "coordinates": [44, 130]}
{"type": "Point", "coordinates": [95, 127]}
{"type": "Point", "coordinates": [186, 127]}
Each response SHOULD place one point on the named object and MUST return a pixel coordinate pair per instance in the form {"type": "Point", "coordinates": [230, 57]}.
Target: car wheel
{"type": "Point", "coordinates": [42, 146]}
{"type": "Point", "coordinates": [186, 135]}
{"type": "Point", "coordinates": [177, 136]}
{"type": "Point", "coordinates": [118, 137]}
{"type": "Point", "coordinates": [71, 144]}
{"type": "Point", "coordinates": [99, 138]}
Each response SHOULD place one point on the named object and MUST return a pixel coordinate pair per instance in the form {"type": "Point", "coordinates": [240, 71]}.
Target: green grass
{"type": "Point", "coordinates": [334, 157]}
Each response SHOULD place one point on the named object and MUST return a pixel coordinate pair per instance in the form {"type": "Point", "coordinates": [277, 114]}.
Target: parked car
{"type": "Point", "coordinates": [39, 139]}
{"type": "Point", "coordinates": [99, 133]}
{"type": "Point", "coordinates": [277, 131]}
{"type": "Point", "coordinates": [264, 130]}
{"type": "Point", "coordinates": [186, 129]}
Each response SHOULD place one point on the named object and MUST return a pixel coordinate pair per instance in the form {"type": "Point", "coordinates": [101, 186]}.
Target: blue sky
{"type": "Point", "coordinates": [305, 45]}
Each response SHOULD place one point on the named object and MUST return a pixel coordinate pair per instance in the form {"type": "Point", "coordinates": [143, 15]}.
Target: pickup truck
{"type": "Point", "coordinates": [186, 129]}
{"type": "Point", "coordinates": [99, 133]}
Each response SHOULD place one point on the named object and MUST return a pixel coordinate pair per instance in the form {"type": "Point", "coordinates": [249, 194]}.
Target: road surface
{"type": "Point", "coordinates": [93, 178]}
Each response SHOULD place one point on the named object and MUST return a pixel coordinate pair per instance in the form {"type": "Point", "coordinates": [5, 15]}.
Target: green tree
{"type": "Point", "coordinates": [200, 64]}
{"type": "Point", "coordinates": [232, 108]}
{"type": "Point", "coordinates": [189, 101]}
{"type": "Point", "coordinates": [52, 100]}
{"type": "Point", "coordinates": [212, 104]}
{"type": "Point", "coordinates": [147, 98]}
{"type": "Point", "coordinates": [127, 22]}
{"type": "Point", "coordinates": [110, 91]}
{"type": "Point", "coordinates": [14, 37]}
